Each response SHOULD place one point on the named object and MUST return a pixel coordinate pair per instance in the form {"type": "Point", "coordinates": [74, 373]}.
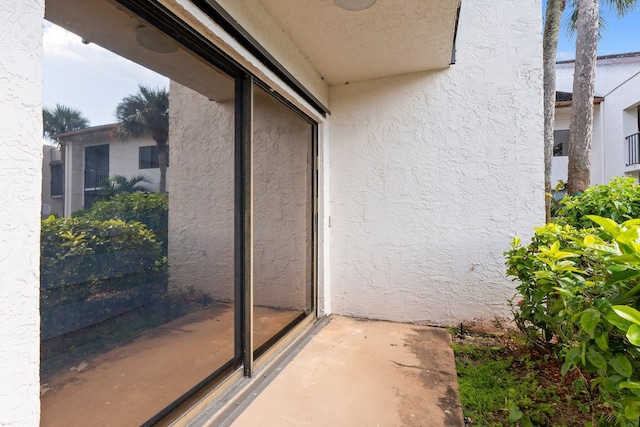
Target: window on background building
{"type": "Point", "coordinates": [148, 157]}
{"type": "Point", "coordinates": [56, 179]}
{"type": "Point", "coordinates": [561, 143]}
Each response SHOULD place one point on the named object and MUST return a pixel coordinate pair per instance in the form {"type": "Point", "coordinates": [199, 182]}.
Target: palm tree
{"type": "Point", "coordinates": [146, 113]}
{"type": "Point", "coordinates": [549, 50]}
{"type": "Point", "coordinates": [119, 184]}
{"type": "Point", "coordinates": [581, 126]}
{"type": "Point", "coordinates": [62, 119]}
{"type": "Point", "coordinates": [550, 45]}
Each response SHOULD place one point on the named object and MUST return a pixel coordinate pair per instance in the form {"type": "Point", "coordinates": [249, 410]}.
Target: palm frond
{"type": "Point", "coordinates": [62, 119]}
{"type": "Point", "coordinates": [622, 8]}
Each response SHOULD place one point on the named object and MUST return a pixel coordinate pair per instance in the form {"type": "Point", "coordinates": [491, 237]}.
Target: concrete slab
{"type": "Point", "coordinates": [364, 373]}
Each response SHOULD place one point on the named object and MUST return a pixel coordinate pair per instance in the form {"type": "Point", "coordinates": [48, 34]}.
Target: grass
{"type": "Point", "coordinates": [502, 382]}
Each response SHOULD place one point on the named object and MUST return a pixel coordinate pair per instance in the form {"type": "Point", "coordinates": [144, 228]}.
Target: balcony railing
{"type": "Point", "coordinates": [633, 149]}
{"type": "Point", "coordinates": [95, 178]}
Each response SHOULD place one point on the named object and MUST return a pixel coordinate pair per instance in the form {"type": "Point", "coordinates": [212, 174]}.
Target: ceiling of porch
{"type": "Point", "coordinates": [391, 37]}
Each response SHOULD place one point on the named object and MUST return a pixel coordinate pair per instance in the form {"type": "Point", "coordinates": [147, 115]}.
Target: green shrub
{"type": "Point", "coordinates": [579, 290]}
{"type": "Point", "coordinates": [151, 209]}
{"type": "Point", "coordinates": [94, 270]}
{"type": "Point", "coordinates": [619, 200]}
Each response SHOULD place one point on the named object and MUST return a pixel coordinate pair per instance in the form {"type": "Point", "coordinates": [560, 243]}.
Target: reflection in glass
{"type": "Point", "coordinates": [282, 217]}
{"type": "Point", "coordinates": [138, 288]}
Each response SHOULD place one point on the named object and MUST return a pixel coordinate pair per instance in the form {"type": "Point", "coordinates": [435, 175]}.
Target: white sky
{"type": "Point", "coordinates": [88, 77]}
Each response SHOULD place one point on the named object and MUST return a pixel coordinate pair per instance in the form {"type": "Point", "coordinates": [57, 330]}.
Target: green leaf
{"type": "Point", "coordinates": [596, 359]}
{"type": "Point", "coordinates": [633, 335]}
{"type": "Point", "coordinates": [632, 410]}
{"type": "Point", "coordinates": [628, 313]}
{"type": "Point", "coordinates": [631, 222]}
{"type": "Point", "coordinates": [589, 320]}
{"type": "Point", "coordinates": [617, 321]}
{"type": "Point", "coordinates": [526, 422]}
{"type": "Point", "coordinates": [563, 292]}
{"type": "Point", "coordinates": [544, 275]}
{"type": "Point", "coordinates": [514, 414]}
{"type": "Point", "coordinates": [629, 385]}
{"type": "Point", "coordinates": [571, 359]}
{"type": "Point", "coordinates": [602, 341]}
{"type": "Point", "coordinates": [630, 294]}
{"type": "Point", "coordinates": [621, 276]}
{"type": "Point", "coordinates": [628, 236]}
{"type": "Point", "coordinates": [589, 240]}
{"type": "Point", "coordinates": [621, 365]}
{"type": "Point", "coordinates": [606, 249]}
{"type": "Point", "coordinates": [609, 225]}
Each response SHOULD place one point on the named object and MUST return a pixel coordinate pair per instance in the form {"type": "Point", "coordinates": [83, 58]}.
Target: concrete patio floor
{"type": "Point", "coordinates": [363, 373]}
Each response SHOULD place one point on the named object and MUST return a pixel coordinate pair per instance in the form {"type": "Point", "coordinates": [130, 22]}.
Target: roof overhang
{"type": "Point", "coordinates": [565, 104]}
{"type": "Point", "coordinates": [389, 38]}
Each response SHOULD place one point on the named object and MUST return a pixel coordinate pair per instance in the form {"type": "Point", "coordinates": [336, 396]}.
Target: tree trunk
{"type": "Point", "coordinates": [162, 163]}
{"type": "Point", "coordinates": [549, 49]}
{"type": "Point", "coordinates": [581, 127]}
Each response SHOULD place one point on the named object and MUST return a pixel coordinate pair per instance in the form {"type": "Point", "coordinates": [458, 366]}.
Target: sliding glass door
{"type": "Point", "coordinates": [282, 218]}
{"type": "Point", "coordinates": [172, 275]}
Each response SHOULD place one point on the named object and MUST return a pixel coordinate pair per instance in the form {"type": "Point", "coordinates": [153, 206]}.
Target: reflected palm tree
{"type": "Point", "coordinates": [146, 113]}
{"type": "Point", "coordinates": [62, 119]}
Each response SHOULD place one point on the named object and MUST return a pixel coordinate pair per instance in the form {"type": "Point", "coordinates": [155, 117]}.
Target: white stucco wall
{"type": "Point", "coordinates": [620, 121]}
{"type": "Point", "coordinates": [560, 164]}
{"type": "Point", "coordinates": [201, 206]}
{"type": "Point", "coordinates": [609, 74]}
{"type": "Point", "coordinates": [201, 201]}
{"type": "Point", "coordinates": [282, 206]}
{"type": "Point", "coordinates": [433, 173]}
{"type": "Point", "coordinates": [252, 16]}
{"type": "Point", "coordinates": [124, 160]}
{"type": "Point", "coordinates": [618, 80]}
{"type": "Point", "coordinates": [20, 186]}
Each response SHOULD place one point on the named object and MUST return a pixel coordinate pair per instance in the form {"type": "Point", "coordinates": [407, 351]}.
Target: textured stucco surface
{"type": "Point", "coordinates": [389, 38]}
{"type": "Point", "coordinates": [433, 173]}
{"type": "Point", "coordinates": [20, 186]}
{"type": "Point", "coordinates": [253, 17]}
{"type": "Point", "coordinates": [201, 220]}
{"type": "Point", "coordinates": [620, 120]}
{"type": "Point", "coordinates": [282, 206]}
{"type": "Point", "coordinates": [201, 192]}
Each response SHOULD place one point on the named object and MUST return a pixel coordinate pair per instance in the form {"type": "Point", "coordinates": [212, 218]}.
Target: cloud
{"type": "Point", "coordinates": [89, 77]}
{"type": "Point", "coordinates": [63, 44]}
{"type": "Point", "coordinates": [59, 42]}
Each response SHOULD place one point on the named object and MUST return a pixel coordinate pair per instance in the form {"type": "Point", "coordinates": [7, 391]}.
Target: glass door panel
{"type": "Point", "coordinates": [139, 311]}
{"type": "Point", "coordinates": [282, 218]}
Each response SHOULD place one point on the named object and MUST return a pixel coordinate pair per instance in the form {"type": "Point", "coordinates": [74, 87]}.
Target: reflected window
{"type": "Point", "coordinates": [561, 143]}
{"type": "Point", "coordinates": [57, 179]}
{"type": "Point", "coordinates": [148, 157]}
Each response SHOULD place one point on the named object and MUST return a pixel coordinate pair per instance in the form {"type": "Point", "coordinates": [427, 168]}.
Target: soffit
{"type": "Point", "coordinates": [113, 27]}
{"type": "Point", "coordinates": [389, 38]}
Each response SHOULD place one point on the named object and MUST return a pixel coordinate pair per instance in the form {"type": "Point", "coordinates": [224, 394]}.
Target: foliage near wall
{"type": "Point", "coordinates": [93, 271]}
{"type": "Point", "coordinates": [618, 200]}
{"type": "Point", "coordinates": [579, 288]}
{"type": "Point", "coordinates": [151, 209]}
